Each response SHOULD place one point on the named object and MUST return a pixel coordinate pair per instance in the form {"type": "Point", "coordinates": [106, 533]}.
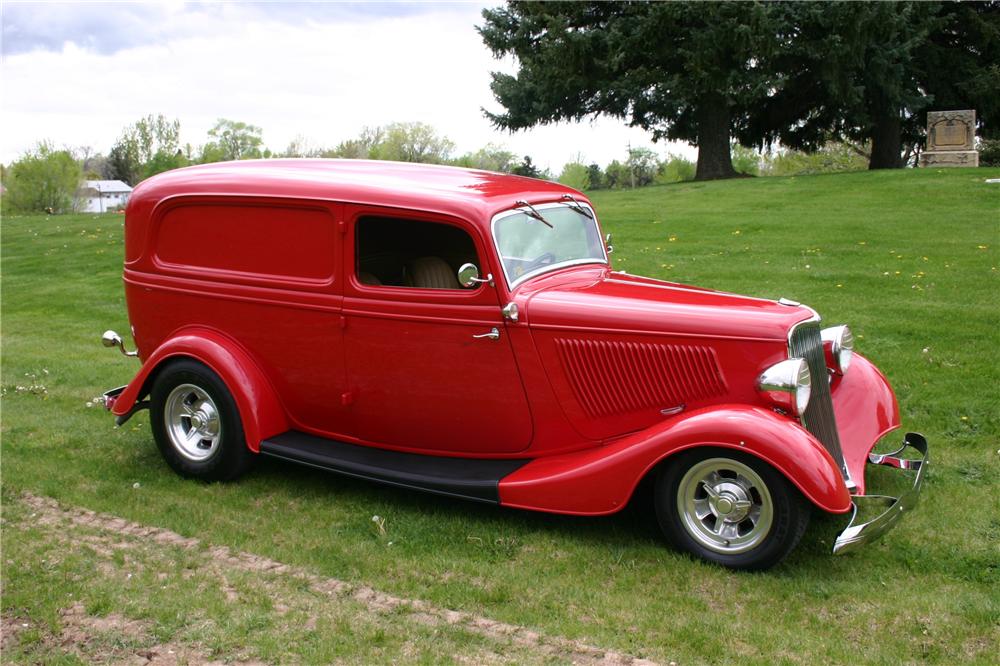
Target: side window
{"type": "Point", "coordinates": [396, 252]}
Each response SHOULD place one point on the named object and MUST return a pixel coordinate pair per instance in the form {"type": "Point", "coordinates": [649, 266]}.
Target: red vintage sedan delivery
{"type": "Point", "coordinates": [463, 333]}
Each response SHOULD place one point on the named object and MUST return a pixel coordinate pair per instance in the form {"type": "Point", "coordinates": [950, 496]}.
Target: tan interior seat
{"type": "Point", "coordinates": [431, 273]}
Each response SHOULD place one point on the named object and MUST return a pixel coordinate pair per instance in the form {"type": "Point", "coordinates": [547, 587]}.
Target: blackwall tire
{"type": "Point", "coordinates": [196, 423]}
{"type": "Point", "coordinates": [729, 508]}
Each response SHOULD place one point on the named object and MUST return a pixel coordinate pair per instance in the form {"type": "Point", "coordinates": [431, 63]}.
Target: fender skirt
{"type": "Point", "coordinates": [260, 411]}
{"type": "Point", "coordinates": [601, 480]}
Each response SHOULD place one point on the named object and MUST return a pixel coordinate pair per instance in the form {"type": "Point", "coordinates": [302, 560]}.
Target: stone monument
{"type": "Point", "coordinates": [951, 140]}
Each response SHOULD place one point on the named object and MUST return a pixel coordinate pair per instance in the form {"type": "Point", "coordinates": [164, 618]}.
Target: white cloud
{"type": "Point", "coordinates": [322, 72]}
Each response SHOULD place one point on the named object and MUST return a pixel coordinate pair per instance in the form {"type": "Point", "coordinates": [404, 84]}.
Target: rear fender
{"type": "Point", "coordinates": [260, 410]}
{"type": "Point", "coordinates": [601, 480]}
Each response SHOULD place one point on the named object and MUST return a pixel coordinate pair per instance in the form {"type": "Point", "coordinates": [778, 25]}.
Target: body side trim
{"type": "Point", "coordinates": [625, 331]}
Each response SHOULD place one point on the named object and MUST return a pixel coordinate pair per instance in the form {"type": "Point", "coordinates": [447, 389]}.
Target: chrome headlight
{"type": "Point", "coordinates": [838, 346]}
{"type": "Point", "coordinates": [787, 384]}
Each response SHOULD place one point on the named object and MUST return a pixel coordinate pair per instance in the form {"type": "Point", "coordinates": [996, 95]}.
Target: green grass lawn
{"type": "Point", "coordinates": [910, 259]}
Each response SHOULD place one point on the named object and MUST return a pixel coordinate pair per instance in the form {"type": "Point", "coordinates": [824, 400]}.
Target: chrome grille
{"type": "Point", "coordinates": [819, 418]}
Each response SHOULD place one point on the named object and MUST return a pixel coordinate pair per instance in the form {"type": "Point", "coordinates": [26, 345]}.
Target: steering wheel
{"type": "Point", "coordinates": [541, 260]}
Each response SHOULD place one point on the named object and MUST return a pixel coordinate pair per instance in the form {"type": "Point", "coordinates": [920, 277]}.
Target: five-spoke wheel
{"type": "Point", "coordinates": [725, 505]}
{"type": "Point", "coordinates": [730, 508]}
{"type": "Point", "coordinates": [196, 423]}
{"type": "Point", "coordinates": [192, 422]}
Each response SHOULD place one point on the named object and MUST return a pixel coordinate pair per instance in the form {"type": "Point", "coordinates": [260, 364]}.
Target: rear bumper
{"type": "Point", "coordinates": [111, 397]}
{"type": "Point", "coordinates": [857, 535]}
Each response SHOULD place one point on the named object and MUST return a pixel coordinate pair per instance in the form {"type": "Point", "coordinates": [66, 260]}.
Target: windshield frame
{"type": "Point", "coordinates": [551, 267]}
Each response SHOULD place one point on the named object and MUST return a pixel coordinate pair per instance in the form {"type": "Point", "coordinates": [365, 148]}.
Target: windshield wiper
{"type": "Point", "coordinates": [531, 212]}
{"type": "Point", "coordinates": [575, 205]}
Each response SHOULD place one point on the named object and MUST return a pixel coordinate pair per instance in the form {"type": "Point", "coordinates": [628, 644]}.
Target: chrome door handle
{"type": "Point", "coordinates": [494, 334]}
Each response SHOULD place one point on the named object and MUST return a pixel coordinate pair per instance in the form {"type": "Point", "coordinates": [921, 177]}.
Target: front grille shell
{"type": "Point", "coordinates": [804, 342]}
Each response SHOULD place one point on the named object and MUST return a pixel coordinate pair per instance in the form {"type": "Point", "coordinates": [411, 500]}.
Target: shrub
{"type": "Point", "coordinates": [676, 169]}
{"type": "Point", "coordinates": [746, 160]}
{"type": "Point", "coordinates": [989, 152]}
{"type": "Point", "coordinates": [831, 158]}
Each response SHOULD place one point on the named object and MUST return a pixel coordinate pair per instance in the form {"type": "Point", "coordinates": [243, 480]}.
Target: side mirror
{"type": "Point", "coordinates": [468, 276]}
{"type": "Point", "coordinates": [112, 339]}
{"type": "Point", "coordinates": [607, 244]}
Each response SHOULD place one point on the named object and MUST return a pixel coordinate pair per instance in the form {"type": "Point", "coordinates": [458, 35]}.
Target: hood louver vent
{"type": "Point", "coordinates": [613, 377]}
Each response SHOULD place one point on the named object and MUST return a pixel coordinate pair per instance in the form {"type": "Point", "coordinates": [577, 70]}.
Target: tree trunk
{"type": "Point", "coordinates": [886, 141]}
{"type": "Point", "coordinates": [714, 158]}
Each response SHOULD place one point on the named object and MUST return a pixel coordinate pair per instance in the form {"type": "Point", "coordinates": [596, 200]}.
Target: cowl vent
{"type": "Point", "coordinates": [617, 377]}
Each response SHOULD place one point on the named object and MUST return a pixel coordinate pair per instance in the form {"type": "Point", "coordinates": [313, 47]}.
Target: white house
{"type": "Point", "coordinates": [100, 196]}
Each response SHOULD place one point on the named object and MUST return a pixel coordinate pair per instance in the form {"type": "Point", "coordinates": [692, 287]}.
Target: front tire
{"type": "Point", "coordinates": [196, 423]}
{"type": "Point", "coordinates": [729, 508]}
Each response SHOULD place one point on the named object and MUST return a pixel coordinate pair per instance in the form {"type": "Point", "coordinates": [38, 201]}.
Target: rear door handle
{"type": "Point", "coordinates": [494, 334]}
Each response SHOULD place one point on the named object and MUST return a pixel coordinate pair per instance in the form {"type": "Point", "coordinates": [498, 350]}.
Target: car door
{"type": "Point", "coordinates": [429, 365]}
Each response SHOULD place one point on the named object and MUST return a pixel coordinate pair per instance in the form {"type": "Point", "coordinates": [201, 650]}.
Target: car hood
{"type": "Point", "coordinates": [613, 301]}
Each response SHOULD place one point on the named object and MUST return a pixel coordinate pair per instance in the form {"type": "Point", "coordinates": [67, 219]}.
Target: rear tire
{"type": "Point", "coordinates": [196, 423]}
{"type": "Point", "coordinates": [729, 508]}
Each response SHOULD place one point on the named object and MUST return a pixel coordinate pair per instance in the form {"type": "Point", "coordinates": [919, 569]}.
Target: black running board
{"type": "Point", "coordinates": [468, 478]}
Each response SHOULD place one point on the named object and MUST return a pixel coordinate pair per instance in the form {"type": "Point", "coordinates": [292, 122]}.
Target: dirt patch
{"type": "Point", "coordinates": [110, 639]}
{"type": "Point", "coordinates": [113, 535]}
{"type": "Point", "coordinates": [10, 628]}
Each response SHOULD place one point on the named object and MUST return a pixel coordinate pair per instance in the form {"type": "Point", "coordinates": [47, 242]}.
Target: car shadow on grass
{"type": "Point", "coordinates": [633, 528]}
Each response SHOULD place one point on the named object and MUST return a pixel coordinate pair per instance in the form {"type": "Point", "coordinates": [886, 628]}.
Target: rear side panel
{"type": "Point", "coordinates": [263, 271]}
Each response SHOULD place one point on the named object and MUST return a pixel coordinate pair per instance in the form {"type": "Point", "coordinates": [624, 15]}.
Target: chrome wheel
{"type": "Point", "coordinates": [192, 422]}
{"type": "Point", "coordinates": [725, 505]}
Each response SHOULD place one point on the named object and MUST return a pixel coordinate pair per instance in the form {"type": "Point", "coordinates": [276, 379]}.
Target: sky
{"type": "Point", "coordinates": [78, 73]}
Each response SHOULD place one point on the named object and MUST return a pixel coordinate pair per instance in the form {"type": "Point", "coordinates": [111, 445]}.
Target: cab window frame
{"type": "Point", "coordinates": [355, 214]}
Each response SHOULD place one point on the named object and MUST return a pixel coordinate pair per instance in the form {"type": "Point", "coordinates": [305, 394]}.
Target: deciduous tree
{"type": "Point", "coordinates": [489, 158]}
{"type": "Point", "coordinates": [412, 142]}
{"type": "Point", "coordinates": [575, 175]}
{"type": "Point", "coordinates": [397, 142]}
{"type": "Point", "coordinates": [233, 140]}
{"type": "Point", "coordinates": [42, 179]}
{"type": "Point", "coordinates": [145, 148]}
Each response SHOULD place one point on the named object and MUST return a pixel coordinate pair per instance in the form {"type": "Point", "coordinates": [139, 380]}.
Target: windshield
{"type": "Point", "coordinates": [528, 246]}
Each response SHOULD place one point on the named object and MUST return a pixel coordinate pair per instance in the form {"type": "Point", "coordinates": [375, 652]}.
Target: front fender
{"type": "Point", "coordinates": [601, 480]}
{"type": "Point", "coordinates": [260, 410]}
{"type": "Point", "coordinates": [866, 410]}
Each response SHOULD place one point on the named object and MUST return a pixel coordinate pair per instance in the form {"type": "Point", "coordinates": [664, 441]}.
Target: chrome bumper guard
{"type": "Point", "coordinates": [856, 536]}
{"type": "Point", "coordinates": [110, 397]}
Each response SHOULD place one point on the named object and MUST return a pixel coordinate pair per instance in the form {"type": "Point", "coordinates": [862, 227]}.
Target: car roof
{"type": "Point", "coordinates": [469, 193]}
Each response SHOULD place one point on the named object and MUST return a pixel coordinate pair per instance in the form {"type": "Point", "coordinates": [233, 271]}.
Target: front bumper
{"type": "Point", "coordinates": [857, 535]}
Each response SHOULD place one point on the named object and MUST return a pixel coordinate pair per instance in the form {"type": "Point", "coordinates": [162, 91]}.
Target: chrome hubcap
{"type": "Point", "coordinates": [192, 422]}
{"type": "Point", "coordinates": [725, 506]}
